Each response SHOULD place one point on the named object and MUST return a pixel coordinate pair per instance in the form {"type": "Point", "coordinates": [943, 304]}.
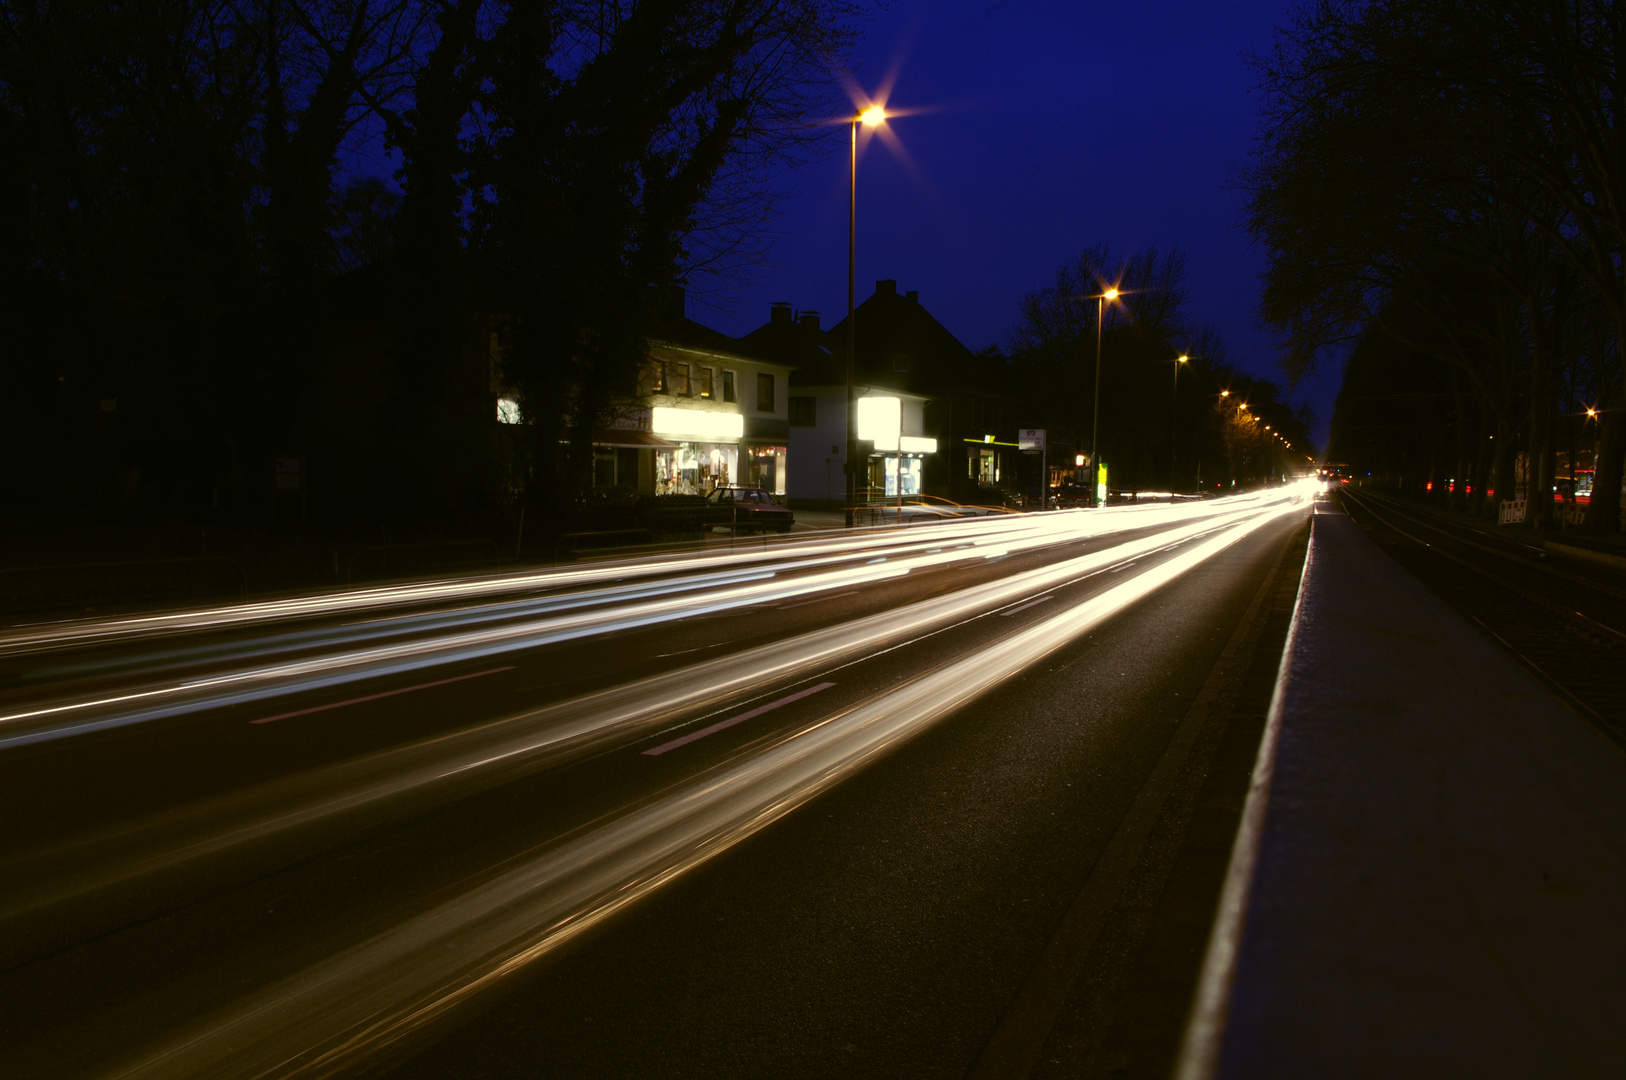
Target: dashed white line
{"type": "Point", "coordinates": [684, 740]}
{"type": "Point", "coordinates": [1031, 603]}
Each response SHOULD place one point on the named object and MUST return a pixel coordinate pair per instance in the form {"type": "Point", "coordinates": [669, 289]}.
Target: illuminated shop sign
{"type": "Point", "coordinates": [702, 425]}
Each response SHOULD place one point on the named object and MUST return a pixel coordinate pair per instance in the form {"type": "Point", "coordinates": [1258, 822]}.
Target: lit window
{"type": "Point", "coordinates": [508, 410]}
{"type": "Point", "coordinates": [678, 381]}
{"type": "Point", "coordinates": [705, 382]}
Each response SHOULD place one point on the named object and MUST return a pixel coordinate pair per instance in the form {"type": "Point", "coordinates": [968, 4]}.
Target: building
{"type": "Point", "coordinates": [959, 411]}
{"type": "Point", "coordinates": [818, 416]}
{"type": "Point", "coordinates": [705, 413]}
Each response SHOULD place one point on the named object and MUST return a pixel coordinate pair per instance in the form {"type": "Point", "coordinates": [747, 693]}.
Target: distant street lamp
{"type": "Point", "coordinates": [873, 116]}
{"type": "Point", "coordinates": [1097, 497]}
{"type": "Point", "coordinates": [1174, 428]}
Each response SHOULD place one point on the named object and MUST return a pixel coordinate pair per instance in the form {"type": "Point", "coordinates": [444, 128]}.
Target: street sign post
{"type": "Point", "coordinates": [1029, 440]}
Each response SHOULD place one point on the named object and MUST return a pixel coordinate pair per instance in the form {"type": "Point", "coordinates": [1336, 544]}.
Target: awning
{"type": "Point", "coordinates": [627, 438]}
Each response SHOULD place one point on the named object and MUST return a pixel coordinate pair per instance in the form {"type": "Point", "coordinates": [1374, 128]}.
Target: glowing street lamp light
{"type": "Point", "coordinates": [873, 116]}
{"type": "Point", "coordinates": [1099, 497]}
{"type": "Point", "coordinates": [1174, 427]}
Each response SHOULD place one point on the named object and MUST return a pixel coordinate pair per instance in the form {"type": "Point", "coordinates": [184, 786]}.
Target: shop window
{"type": "Point", "coordinates": [705, 381]}
{"type": "Point", "coordinates": [695, 468]}
{"type": "Point", "coordinates": [764, 393]}
{"type": "Point", "coordinates": [728, 386]}
{"type": "Point", "coordinates": [603, 467]}
{"type": "Point", "coordinates": [803, 412]}
{"type": "Point", "coordinates": [765, 468]}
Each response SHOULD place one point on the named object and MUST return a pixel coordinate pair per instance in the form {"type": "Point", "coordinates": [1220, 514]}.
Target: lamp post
{"type": "Point", "coordinates": [1174, 427]}
{"type": "Point", "coordinates": [1095, 420]}
{"type": "Point", "coordinates": [870, 117]}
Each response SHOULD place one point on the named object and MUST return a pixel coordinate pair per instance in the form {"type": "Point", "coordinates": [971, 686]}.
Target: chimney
{"type": "Point", "coordinates": [779, 313]}
{"type": "Point", "coordinates": [886, 287]}
{"type": "Point", "coordinates": [913, 296]}
{"type": "Point", "coordinates": [808, 320]}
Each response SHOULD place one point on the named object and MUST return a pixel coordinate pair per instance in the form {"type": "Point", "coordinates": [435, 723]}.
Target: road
{"type": "Point", "coordinates": [826, 806]}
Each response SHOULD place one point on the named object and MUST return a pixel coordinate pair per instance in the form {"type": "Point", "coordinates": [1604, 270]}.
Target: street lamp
{"type": "Point", "coordinates": [1098, 496]}
{"type": "Point", "coordinates": [1174, 428]}
{"type": "Point", "coordinates": [873, 116]}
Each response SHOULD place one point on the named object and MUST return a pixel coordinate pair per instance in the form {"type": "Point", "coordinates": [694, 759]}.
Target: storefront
{"type": "Point", "coordinates": [764, 467]}
{"type": "Point", "coordinates": [705, 453]}
{"type": "Point", "coordinates": [694, 468]}
{"type": "Point", "coordinates": [883, 473]}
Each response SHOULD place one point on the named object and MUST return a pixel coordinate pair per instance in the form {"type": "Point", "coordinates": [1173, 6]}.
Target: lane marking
{"type": "Point", "coordinates": [1030, 603]}
{"type": "Point", "coordinates": [818, 599]}
{"type": "Point", "coordinates": [375, 697]}
{"type": "Point", "coordinates": [731, 721]}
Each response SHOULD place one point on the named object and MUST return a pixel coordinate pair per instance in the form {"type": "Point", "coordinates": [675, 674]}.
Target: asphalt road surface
{"type": "Point", "coordinates": [856, 805]}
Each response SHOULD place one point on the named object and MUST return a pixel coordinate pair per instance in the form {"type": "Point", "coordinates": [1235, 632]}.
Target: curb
{"type": "Point", "coordinates": [1602, 558]}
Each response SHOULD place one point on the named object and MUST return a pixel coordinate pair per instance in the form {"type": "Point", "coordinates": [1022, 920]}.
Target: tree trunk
{"type": "Point", "coordinates": [1461, 473]}
{"type": "Point", "coordinates": [1538, 460]}
{"type": "Point", "coordinates": [1484, 448]}
{"type": "Point", "coordinates": [1603, 515]}
{"type": "Point", "coordinates": [1503, 456]}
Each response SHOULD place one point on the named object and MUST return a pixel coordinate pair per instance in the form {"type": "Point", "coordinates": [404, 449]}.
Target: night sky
{"type": "Point", "coordinates": [1045, 127]}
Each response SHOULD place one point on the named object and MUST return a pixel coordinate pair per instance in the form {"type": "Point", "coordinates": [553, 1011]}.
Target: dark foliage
{"type": "Point", "coordinates": [1148, 436]}
{"type": "Point", "coordinates": [208, 320]}
{"type": "Point", "coordinates": [1448, 175]}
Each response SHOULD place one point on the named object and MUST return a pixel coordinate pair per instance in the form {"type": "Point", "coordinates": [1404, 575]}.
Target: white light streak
{"type": "Point", "coordinates": [342, 1010]}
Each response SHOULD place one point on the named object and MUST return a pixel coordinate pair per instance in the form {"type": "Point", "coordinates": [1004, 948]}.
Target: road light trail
{"type": "Point", "coordinates": [76, 716]}
{"type": "Point", "coordinates": [487, 590]}
{"type": "Point", "coordinates": [118, 869]}
{"type": "Point", "coordinates": [338, 1013]}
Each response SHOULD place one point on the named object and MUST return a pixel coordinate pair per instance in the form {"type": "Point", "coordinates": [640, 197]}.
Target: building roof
{"type": "Point", "coordinates": [900, 346]}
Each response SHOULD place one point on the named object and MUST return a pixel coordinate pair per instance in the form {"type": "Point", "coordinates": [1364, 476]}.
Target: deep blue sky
{"type": "Point", "coordinates": [1050, 125]}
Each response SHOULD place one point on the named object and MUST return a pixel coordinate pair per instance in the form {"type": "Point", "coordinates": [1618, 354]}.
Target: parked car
{"type": "Point", "coordinates": [1068, 496]}
{"type": "Point", "coordinates": [747, 510]}
{"type": "Point", "coordinates": [997, 497]}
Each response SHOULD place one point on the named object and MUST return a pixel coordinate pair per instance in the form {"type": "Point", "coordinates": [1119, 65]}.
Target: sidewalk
{"type": "Point", "coordinates": [1430, 879]}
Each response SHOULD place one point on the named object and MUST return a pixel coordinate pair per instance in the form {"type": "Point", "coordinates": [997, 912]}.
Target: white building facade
{"type": "Point", "coordinates": [818, 437]}
{"type": "Point", "coordinates": [723, 416]}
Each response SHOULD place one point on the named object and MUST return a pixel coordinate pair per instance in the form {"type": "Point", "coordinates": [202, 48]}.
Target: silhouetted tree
{"type": "Point", "coordinates": [1418, 144]}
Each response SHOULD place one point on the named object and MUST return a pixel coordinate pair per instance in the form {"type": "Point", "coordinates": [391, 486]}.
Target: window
{"type": "Point", "coordinates": [678, 380]}
{"type": "Point", "coordinates": [803, 411]}
{"type": "Point", "coordinates": [705, 382]}
{"type": "Point", "coordinates": [764, 393]}
{"type": "Point", "coordinates": [728, 386]}
{"type": "Point", "coordinates": [659, 386]}
{"type": "Point", "coordinates": [507, 411]}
